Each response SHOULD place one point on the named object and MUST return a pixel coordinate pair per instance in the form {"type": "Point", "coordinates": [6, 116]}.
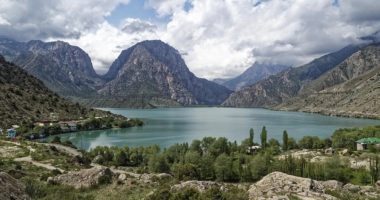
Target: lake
{"type": "Point", "coordinates": [167, 126]}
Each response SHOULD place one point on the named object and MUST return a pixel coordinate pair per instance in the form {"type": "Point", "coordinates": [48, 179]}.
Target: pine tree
{"type": "Point", "coordinates": [285, 141]}
{"type": "Point", "coordinates": [263, 137]}
{"type": "Point", "coordinates": [251, 136]}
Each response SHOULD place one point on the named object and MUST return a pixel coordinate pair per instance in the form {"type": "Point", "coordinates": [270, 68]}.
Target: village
{"type": "Point", "coordinates": [53, 126]}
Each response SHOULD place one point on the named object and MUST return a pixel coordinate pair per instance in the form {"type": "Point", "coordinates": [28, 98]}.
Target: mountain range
{"type": "Point", "coordinates": [342, 83]}
{"type": "Point", "coordinates": [148, 74]}
{"type": "Point", "coordinates": [153, 74]}
{"type": "Point", "coordinates": [258, 71]}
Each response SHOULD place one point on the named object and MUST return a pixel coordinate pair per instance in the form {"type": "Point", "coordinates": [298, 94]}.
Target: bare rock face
{"type": "Point", "coordinates": [65, 69]}
{"type": "Point", "coordinates": [84, 178]}
{"type": "Point", "coordinates": [11, 188]}
{"type": "Point", "coordinates": [278, 185]}
{"type": "Point", "coordinates": [152, 72]}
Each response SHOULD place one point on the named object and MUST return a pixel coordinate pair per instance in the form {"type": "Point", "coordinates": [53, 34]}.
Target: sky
{"type": "Point", "coordinates": [217, 38]}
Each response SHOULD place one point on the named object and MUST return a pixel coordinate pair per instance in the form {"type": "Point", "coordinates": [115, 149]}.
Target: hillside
{"type": "Point", "coordinates": [350, 89]}
{"type": "Point", "coordinates": [24, 99]}
{"type": "Point", "coordinates": [152, 73]}
{"type": "Point", "coordinates": [64, 69]}
{"type": "Point", "coordinates": [255, 73]}
{"type": "Point", "coordinates": [287, 84]}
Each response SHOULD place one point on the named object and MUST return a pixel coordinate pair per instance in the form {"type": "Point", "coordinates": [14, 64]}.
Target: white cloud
{"type": "Point", "coordinates": [105, 44]}
{"type": "Point", "coordinates": [221, 38]}
{"type": "Point", "coordinates": [166, 7]}
{"type": "Point", "coordinates": [40, 19]}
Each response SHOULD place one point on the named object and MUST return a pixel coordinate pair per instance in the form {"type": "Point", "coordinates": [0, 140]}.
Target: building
{"type": "Point", "coordinates": [253, 149]}
{"type": "Point", "coordinates": [11, 133]}
{"type": "Point", "coordinates": [364, 143]}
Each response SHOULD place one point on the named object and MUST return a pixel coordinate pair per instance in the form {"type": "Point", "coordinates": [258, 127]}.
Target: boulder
{"type": "Point", "coordinates": [278, 185]}
{"type": "Point", "coordinates": [122, 177]}
{"type": "Point", "coordinates": [11, 188]}
{"type": "Point", "coordinates": [329, 151]}
{"type": "Point", "coordinates": [84, 178]}
{"type": "Point", "coordinates": [378, 184]}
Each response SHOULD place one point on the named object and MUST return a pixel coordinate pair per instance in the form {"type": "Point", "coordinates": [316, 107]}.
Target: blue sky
{"type": "Point", "coordinates": [135, 9]}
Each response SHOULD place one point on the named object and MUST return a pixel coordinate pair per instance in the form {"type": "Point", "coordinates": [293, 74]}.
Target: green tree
{"type": "Point", "coordinates": [251, 136]}
{"type": "Point", "coordinates": [158, 164]}
{"type": "Point", "coordinates": [285, 141]}
{"type": "Point", "coordinates": [121, 158]}
{"type": "Point", "coordinates": [223, 168]}
{"type": "Point", "coordinates": [263, 137]}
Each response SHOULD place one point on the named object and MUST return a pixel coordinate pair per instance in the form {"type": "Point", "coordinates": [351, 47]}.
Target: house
{"type": "Point", "coordinates": [11, 133]}
{"type": "Point", "coordinates": [64, 127]}
{"type": "Point", "coordinates": [72, 126]}
{"type": "Point", "coordinates": [364, 143]}
{"type": "Point", "coordinates": [253, 149]}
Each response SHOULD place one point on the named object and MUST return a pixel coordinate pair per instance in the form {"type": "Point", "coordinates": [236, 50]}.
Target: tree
{"type": "Point", "coordinates": [263, 137]}
{"type": "Point", "coordinates": [223, 168]}
{"type": "Point", "coordinates": [121, 158]}
{"type": "Point", "coordinates": [285, 141]}
{"type": "Point", "coordinates": [251, 136]}
{"type": "Point", "coordinates": [158, 164]}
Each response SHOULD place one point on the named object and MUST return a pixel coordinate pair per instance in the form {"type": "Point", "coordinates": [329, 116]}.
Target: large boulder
{"type": "Point", "coordinates": [11, 188]}
{"type": "Point", "coordinates": [278, 185]}
{"type": "Point", "coordinates": [84, 178]}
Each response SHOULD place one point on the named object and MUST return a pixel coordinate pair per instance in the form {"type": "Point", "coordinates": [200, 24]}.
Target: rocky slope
{"type": "Point", "coordinates": [278, 185]}
{"type": "Point", "coordinates": [255, 73]}
{"type": "Point", "coordinates": [23, 99]}
{"type": "Point", "coordinates": [152, 73]}
{"type": "Point", "coordinates": [287, 84]}
{"type": "Point", "coordinates": [65, 69]}
{"type": "Point", "coordinates": [11, 188]}
{"type": "Point", "coordinates": [350, 89]}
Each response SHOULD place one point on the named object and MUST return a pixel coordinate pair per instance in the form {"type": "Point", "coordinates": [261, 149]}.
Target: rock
{"type": "Point", "coordinates": [164, 176]}
{"type": "Point", "coordinates": [201, 186]}
{"type": "Point", "coordinates": [344, 152]}
{"type": "Point", "coordinates": [378, 184]}
{"type": "Point", "coordinates": [122, 177]}
{"type": "Point", "coordinates": [329, 151]}
{"type": "Point", "coordinates": [276, 184]}
{"type": "Point", "coordinates": [98, 159]}
{"type": "Point", "coordinates": [84, 178]}
{"type": "Point", "coordinates": [332, 184]}
{"type": "Point", "coordinates": [351, 188]}
{"type": "Point", "coordinates": [11, 188]}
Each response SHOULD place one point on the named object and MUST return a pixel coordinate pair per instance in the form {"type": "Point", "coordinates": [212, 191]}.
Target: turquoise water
{"type": "Point", "coordinates": [166, 126]}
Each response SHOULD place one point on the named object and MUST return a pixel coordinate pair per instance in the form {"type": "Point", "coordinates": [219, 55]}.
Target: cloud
{"type": "Point", "coordinates": [40, 19]}
{"type": "Point", "coordinates": [105, 44]}
{"type": "Point", "coordinates": [166, 7]}
{"type": "Point", "coordinates": [220, 38]}
{"type": "Point", "coordinates": [131, 26]}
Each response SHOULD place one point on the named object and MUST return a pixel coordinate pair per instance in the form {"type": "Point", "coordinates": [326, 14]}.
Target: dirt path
{"type": "Point", "coordinates": [65, 149]}
{"type": "Point", "coordinates": [38, 164]}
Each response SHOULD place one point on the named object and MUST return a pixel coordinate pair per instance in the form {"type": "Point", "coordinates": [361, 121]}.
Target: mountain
{"type": "Point", "coordinates": [280, 87]}
{"type": "Point", "coordinates": [255, 73]}
{"type": "Point", "coordinates": [152, 73]}
{"type": "Point", "coordinates": [65, 69]}
{"type": "Point", "coordinates": [24, 98]}
{"type": "Point", "coordinates": [352, 88]}
{"type": "Point", "coordinates": [220, 81]}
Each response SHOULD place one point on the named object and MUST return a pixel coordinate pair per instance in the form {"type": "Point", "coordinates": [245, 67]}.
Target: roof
{"type": "Point", "coordinates": [369, 140]}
